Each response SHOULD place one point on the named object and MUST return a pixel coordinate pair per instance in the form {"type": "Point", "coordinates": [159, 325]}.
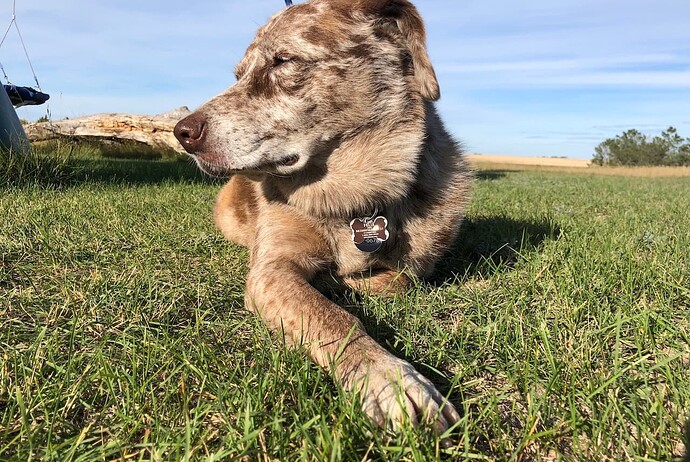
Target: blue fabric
{"type": "Point", "coordinates": [24, 96]}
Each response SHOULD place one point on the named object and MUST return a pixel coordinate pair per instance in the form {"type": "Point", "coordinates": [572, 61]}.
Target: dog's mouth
{"type": "Point", "coordinates": [288, 161]}
{"type": "Point", "coordinates": [219, 170]}
{"type": "Point", "coordinates": [211, 169]}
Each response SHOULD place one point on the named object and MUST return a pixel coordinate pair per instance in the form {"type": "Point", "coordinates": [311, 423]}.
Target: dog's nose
{"type": "Point", "coordinates": [191, 132]}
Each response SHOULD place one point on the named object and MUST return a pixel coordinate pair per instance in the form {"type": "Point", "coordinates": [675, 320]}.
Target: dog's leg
{"type": "Point", "coordinates": [286, 256]}
{"type": "Point", "coordinates": [386, 282]}
{"type": "Point", "coordinates": [236, 209]}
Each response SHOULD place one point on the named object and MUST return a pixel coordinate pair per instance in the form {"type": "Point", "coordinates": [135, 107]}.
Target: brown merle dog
{"type": "Point", "coordinates": [337, 162]}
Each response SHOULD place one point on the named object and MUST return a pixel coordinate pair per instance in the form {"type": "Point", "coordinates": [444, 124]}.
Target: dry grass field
{"type": "Point", "coordinates": [557, 164]}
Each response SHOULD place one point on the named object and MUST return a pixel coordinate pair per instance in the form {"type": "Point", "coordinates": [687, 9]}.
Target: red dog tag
{"type": "Point", "coordinates": [369, 234]}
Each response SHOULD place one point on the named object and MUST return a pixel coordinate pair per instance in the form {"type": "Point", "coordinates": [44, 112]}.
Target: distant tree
{"type": "Point", "coordinates": [634, 148]}
{"type": "Point", "coordinates": [42, 119]}
{"type": "Point", "coordinates": [677, 149]}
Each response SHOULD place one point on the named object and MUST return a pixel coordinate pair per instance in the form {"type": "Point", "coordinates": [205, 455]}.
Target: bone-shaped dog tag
{"type": "Point", "coordinates": [369, 234]}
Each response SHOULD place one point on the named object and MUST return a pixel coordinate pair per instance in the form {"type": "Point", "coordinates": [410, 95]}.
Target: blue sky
{"type": "Point", "coordinates": [538, 78]}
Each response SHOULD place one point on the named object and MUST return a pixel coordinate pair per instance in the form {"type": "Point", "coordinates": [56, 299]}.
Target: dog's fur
{"type": "Point", "coordinates": [332, 118]}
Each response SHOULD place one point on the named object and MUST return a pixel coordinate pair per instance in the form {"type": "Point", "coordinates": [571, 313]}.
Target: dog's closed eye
{"type": "Point", "coordinates": [280, 59]}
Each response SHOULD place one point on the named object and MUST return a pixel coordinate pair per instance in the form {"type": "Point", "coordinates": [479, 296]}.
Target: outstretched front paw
{"type": "Point", "coordinates": [393, 390]}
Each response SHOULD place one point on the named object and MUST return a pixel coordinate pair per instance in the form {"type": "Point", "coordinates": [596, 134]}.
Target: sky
{"type": "Point", "coordinates": [539, 78]}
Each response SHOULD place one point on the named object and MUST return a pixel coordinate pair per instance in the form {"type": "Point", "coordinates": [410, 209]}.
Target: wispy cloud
{"type": "Point", "coordinates": [562, 64]}
{"type": "Point", "coordinates": [650, 71]}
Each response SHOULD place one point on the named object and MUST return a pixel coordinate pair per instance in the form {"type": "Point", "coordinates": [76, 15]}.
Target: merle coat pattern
{"type": "Point", "coordinates": [332, 118]}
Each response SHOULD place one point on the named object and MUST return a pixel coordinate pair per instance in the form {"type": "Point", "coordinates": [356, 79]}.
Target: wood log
{"type": "Point", "coordinates": [155, 131]}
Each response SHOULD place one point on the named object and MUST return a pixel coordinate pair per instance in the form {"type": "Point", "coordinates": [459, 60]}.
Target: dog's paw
{"type": "Point", "coordinates": [393, 391]}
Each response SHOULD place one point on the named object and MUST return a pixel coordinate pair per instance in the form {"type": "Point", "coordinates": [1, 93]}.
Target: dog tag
{"type": "Point", "coordinates": [369, 234]}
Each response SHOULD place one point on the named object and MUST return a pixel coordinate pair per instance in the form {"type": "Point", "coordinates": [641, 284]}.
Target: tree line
{"type": "Point", "coordinates": [636, 149]}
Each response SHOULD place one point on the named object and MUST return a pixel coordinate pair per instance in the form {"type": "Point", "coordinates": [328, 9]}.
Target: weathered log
{"type": "Point", "coordinates": [155, 131]}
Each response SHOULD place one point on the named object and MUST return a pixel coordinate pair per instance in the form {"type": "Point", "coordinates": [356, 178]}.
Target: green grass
{"type": "Point", "coordinates": [558, 326]}
{"type": "Point", "coordinates": [35, 166]}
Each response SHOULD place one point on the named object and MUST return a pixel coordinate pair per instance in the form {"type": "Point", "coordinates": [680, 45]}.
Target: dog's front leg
{"type": "Point", "coordinates": [392, 390]}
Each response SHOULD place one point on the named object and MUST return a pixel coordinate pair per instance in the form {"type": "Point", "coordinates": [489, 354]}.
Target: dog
{"type": "Point", "coordinates": [338, 163]}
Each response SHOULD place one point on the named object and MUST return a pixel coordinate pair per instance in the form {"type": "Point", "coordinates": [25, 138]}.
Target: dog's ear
{"type": "Point", "coordinates": [411, 26]}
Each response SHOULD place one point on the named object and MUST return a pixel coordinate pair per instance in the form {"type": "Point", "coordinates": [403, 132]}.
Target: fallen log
{"type": "Point", "coordinates": [155, 131]}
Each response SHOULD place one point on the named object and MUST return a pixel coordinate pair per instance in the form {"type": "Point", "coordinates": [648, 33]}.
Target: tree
{"type": "Point", "coordinates": [633, 148]}
{"type": "Point", "coordinates": [677, 149]}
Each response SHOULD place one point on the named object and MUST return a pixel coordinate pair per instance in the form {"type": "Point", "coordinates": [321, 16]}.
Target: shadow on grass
{"type": "Point", "coordinates": [383, 332]}
{"type": "Point", "coordinates": [487, 244]}
{"type": "Point", "coordinates": [72, 162]}
{"type": "Point", "coordinates": [490, 175]}
{"type": "Point", "coordinates": [484, 246]}
{"type": "Point", "coordinates": [134, 171]}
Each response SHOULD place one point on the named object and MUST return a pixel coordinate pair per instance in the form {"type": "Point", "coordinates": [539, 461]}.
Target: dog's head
{"type": "Point", "coordinates": [317, 73]}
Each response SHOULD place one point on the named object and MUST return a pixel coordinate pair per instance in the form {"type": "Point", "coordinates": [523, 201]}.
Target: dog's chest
{"type": "Point", "coordinates": [350, 255]}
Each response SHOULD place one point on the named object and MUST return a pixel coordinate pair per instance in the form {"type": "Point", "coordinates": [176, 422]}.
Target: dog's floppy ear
{"type": "Point", "coordinates": [411, 26]}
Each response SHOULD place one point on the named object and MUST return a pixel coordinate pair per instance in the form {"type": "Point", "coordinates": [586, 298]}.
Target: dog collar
{"type": "Point", "coordinates": [369, 233]}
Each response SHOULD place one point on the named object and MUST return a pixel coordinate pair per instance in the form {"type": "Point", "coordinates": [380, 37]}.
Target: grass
{"type": "Point", "coordinates": [36, 166]}
{"type": "Point", "coordinates": [558, 326]}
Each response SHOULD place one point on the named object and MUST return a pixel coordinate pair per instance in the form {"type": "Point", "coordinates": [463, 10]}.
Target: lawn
{"type": "Point", "coordinates": [559, 326]}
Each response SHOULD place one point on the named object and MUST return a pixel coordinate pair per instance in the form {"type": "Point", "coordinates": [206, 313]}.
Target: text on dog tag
{"type": "Point", "coordinates": [369, 234]}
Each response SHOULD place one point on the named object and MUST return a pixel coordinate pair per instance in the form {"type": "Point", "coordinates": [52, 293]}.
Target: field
{"type": "Point", "coordinates": [558, 326]}
{"type": "Point", "coordinates": [490, 161]}
{"type": "Point", "coordinates": [566, 165]}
